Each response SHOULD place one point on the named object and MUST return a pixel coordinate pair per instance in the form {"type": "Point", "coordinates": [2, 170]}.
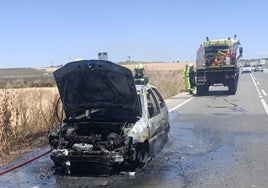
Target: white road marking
{"type": "Point", "coordinates": [258, 83]}
{"type": "Point", "coordinates": [264, 104]}
{"type": "Point", "coordinates": [253, 81]}
{"type": "Point", "coordinates": [178, 106]}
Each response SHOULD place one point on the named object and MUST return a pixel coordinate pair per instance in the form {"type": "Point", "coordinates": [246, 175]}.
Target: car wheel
{"type": "Point", "coordinates": [142, 155]}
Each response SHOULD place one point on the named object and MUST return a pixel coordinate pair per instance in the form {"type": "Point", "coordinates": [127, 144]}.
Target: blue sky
{"type": "Point", "coordinates": [38, 33]}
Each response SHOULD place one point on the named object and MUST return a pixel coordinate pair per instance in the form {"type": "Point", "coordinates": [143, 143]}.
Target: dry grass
{"type": "Point", "coordinates": [28, 115]}
{"type": "Point", "coordinates": [26, 118]}
{"type": "Point", "coordinates": [169, 83]}
{"type": "Point", "coordinates": [159, 66]}
{"type": "Point", "coordinates": [167, 77]}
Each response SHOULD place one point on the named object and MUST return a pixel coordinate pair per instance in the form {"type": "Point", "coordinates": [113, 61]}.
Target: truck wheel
{"type": "Point", "coordinates": [206, 88]}
{"type": "Point", "coordinates": [200, 90]}
{"type": "Point", "coordinates": [232, 89]}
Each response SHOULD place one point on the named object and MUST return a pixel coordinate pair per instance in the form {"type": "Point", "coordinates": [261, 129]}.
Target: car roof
{"type": "Point", "coordinates": [141, 87]}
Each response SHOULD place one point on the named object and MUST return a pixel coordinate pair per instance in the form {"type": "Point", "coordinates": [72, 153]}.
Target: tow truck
{"type": "Point", "coordinates": [216, 63]}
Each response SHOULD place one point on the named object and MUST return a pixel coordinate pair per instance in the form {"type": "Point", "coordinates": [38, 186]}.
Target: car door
{"type": "Point", "coordinates": [163, 108]}
{"type": "Point", "coordinates": [155, 122]}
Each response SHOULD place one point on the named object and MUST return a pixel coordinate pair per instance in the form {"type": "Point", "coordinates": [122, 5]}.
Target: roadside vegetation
{"type": "Point", "coordinates": [27, 83]}
{"type": "Point", "coordinates": [25, 78]}
{"type": "Point", "coordinates": [26, 117]}
{"type": "Point", "coordinates": [29, 112]}
{"type": "Point", "coordinates": [169, 83]}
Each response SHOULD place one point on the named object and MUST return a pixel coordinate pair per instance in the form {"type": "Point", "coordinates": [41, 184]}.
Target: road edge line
{"type": "Point", "coordinates": [265, 106]}
{"type": "Point", "coordinates": [178, 106]}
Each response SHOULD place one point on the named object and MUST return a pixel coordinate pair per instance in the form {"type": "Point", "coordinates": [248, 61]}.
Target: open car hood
{"type": "Point", "coordinates": [96, 84]}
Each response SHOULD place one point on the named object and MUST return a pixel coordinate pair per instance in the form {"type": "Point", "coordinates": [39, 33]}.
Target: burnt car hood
{"type": "Point", "coordinates": [96, 84]}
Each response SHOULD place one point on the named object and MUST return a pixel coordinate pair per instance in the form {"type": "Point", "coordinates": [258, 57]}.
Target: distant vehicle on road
{"type": "Point", "coordinates": [258, 68]}
{"type": "Point", "coordinates": [253, 67]}
{"type": "Point", "coordinates": [246, 68]}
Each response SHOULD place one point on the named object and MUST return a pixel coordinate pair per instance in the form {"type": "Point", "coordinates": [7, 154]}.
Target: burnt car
{"type": "Point", "coordinates": [109, 121]}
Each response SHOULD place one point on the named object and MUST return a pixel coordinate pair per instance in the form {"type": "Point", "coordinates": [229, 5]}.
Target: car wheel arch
{"type": "Point", "coordinates": [142, 154]}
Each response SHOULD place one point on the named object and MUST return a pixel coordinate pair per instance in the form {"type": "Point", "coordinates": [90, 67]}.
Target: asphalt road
{"type": "Point", "coordinates": [215, 141]}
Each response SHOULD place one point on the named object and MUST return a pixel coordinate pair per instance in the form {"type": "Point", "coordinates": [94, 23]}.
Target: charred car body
{"type": "Point", "coordinates": [109, 120]}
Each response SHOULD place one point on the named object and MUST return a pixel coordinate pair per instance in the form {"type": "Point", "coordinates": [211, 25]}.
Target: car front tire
{"type": "Point", "coordinates": [142, 155]}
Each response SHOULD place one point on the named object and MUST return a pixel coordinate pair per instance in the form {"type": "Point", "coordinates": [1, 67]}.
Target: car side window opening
{"type": "Point", "coordinates": [159, 99]}
{"type": "Point", "coordinates": [153, 108]}
{"type": "Point", "coordinates": [139, 97]}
